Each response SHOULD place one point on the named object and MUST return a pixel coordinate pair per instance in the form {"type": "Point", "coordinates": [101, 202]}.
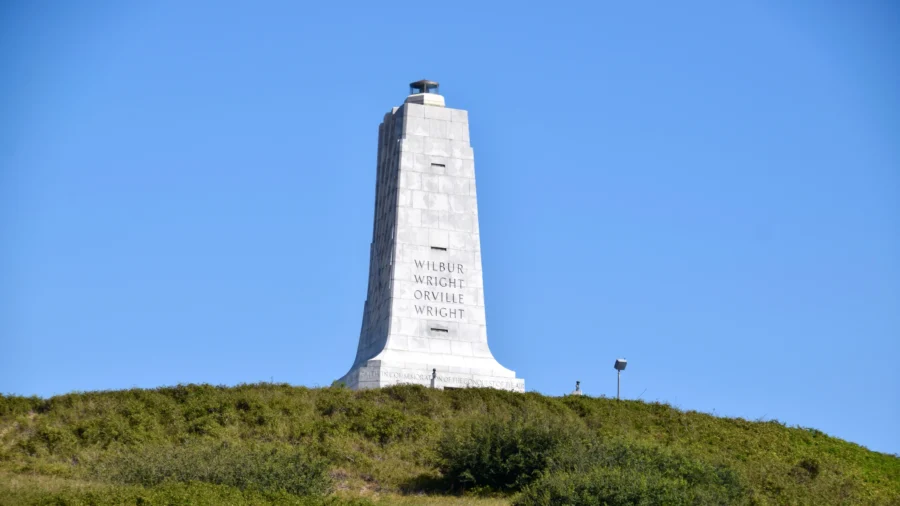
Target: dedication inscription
{"type": "Point", "coordinates": [424, 310]}
{"type": "Point", "coordinates": [435, 303]}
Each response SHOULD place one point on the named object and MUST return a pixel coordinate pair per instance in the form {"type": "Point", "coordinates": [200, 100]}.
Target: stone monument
{"type": "Point", "coordinates": [423, 319]}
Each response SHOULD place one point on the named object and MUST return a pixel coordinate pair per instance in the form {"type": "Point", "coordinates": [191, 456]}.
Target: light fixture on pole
{"type": "Point", "coordinates": [620, 366]}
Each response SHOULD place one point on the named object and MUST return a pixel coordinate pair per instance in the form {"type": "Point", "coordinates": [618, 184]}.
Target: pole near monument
{"type": "Point", "coordinates": [620, 366]}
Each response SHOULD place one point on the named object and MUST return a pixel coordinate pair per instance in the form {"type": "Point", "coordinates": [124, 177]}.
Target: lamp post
{"type": "Point", "coordinates": [620, 366]}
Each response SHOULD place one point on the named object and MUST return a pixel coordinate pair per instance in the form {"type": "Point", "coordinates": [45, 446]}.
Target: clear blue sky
{"type": "Point", "coordinates": [710, 189]}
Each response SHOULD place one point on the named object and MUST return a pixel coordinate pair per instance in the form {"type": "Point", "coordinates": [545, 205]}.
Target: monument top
{"type": "Point", "coordinates": [423, 86]}
{"type": "Point", "coordinates": [425, 92]}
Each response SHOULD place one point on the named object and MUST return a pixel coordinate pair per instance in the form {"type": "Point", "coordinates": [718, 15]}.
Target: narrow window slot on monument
{"type": "Point", "coordinates": [439, 248]}
{"type": "Point", "coordinates": [441, 165]}
{"type": "Point", "coordinates": [438, 329]}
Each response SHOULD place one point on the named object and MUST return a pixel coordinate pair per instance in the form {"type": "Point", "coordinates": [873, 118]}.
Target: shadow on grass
{"type": "Point", "coordinates": [428, 483]}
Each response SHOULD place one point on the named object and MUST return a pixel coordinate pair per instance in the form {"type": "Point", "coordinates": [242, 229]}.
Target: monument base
{"type": "Point", "coordinates": [380, 373]}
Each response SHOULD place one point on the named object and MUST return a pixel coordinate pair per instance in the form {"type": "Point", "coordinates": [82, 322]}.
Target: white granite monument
{"type": "Point", "coordinates": [423, 320]}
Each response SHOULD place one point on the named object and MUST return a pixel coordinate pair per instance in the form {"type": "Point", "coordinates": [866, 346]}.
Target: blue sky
{"type": "Point", "coordinates": [709, 189]}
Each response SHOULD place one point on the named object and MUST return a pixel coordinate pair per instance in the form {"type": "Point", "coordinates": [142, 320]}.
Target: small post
{"type": "Point", "coordinates": [577, 389]}
{"type": "Point", "coordinates": [433, 377]}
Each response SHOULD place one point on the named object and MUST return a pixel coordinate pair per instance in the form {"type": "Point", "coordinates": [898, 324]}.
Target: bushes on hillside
{"type": "Point", "coordinates": [46, 439]}
{"type": "Point", "coordinates": [616, 486]}
{"type": "Point", "coordinates": [415, 439]}
{"type": "Point", "coordinates": [562, 464]}
{"type": "Point", "coordinates": [373, 420]}
{"type": "Point", "coordinates": [629, 474]}
{"type": "Point", "coordinates": [260, 468]}
{"type": "Point", "coordinates": [12, 405]}
{"type": "Point", "coordinates": [499, 454]}
{"type": "Point", "coordinates": [166, 494]}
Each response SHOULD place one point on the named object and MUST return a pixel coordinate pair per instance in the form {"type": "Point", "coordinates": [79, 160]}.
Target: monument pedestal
{"type": "Point", "coordinates": [377, 373]}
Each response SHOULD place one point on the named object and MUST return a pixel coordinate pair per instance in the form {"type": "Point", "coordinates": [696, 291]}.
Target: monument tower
{"type": "Point", "coordinates": [423, 320]}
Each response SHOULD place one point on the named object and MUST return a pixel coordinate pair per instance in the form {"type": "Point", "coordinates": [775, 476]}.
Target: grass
{"type": "Point", "coordinates": [278, 444]}
{"type": "Point", "coordinates": [17, 489]}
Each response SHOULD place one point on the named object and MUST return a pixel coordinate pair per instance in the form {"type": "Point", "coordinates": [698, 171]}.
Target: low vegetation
{"type": "Point", "coordinates": [278, 444]}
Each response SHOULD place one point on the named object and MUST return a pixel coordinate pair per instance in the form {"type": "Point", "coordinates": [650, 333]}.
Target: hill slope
{"type": "Point", "coordinates": [278, 444]}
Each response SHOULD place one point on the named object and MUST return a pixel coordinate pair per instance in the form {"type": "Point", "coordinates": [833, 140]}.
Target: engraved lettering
{"type": "Point", "coordinates": [443, 297]}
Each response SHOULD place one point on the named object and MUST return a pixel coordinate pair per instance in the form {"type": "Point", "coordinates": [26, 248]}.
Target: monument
{"type": "Point", "coordinates": [423, 319]}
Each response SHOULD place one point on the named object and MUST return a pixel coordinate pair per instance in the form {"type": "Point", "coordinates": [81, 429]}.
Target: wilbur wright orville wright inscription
{"type": "Point", "coordinates": [423, 320]}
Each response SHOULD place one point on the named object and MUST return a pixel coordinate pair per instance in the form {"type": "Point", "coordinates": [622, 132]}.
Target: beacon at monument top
{"type": "Point", "coordinates": [425, 92]}
{"type": "Point", "coordinates": [423, 318]}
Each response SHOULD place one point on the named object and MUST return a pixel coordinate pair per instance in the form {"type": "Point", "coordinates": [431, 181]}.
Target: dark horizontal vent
{"type": "Point", "coordinates": [441, 165]}
{"type": "Point", "coordinates": [438, 329]}
{"type": "Point", "coordinates": [439, 248]}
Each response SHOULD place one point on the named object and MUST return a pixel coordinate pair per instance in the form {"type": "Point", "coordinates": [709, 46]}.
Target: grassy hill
{"type": "Point", "coordinates": [278, 444]}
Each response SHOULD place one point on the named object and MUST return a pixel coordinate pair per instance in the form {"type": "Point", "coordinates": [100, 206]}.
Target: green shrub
{"type": "Point", "coordinates": [806, 470]}
{"type": "Point", "coordinates": [629, 474]}
{"type": "Point", "coordinates": [607, 486]}
{"type": "Point", "coordinates": [45, 439]}
{"type": "Point", "coordinates": [11, 405]}
{"type": "Point", "coordinates": [262, 468]}
{"type": "Point", "coordinates": [103, 431]}
{"type": "Point", "coordinates": [386, 425]}
{"type": "Point", "coordinates": [497, 454]}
